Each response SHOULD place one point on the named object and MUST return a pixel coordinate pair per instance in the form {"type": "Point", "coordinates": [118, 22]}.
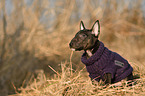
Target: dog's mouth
{"type": "Point", "coordinates": [78, 46]}
{"type": "Point", "coordinates": [73, 49]}
{"type": "Point", "coordinates": [86, 46]}
{"type": "Point", "coordinates": [77, 49]}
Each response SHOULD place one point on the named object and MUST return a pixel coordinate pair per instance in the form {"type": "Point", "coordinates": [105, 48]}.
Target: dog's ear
{"type": "Point", "coordinates": [96, 28]}
{"type": "Point", "coordinates": [82, 27]}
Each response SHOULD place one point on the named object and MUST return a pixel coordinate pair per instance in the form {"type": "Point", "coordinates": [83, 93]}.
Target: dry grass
{"type": "Point", "coordinates": [71, 82]}
{"type": "Point", "coordinates": [29, 44]}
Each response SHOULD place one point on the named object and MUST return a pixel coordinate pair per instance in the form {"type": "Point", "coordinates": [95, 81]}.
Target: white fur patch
{"type": "Point", "coordinates": [73, 49]}
{"type": "Point", "coordinates": [89, 53]}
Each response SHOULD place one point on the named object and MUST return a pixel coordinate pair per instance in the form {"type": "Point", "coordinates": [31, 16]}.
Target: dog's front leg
{"type": "Point", "coordinates": [107, 78]}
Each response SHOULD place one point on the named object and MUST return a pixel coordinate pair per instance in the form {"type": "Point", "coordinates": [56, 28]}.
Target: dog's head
{"type": "Point", "coordinates": [85, 39]}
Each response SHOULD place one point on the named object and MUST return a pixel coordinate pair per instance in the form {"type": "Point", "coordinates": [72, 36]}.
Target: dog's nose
{"type": "Point", "coordinates": [71, 44]}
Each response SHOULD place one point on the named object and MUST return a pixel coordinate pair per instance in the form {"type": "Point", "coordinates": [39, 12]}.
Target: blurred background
{"type": "Point", "coordinates": [36, 33]}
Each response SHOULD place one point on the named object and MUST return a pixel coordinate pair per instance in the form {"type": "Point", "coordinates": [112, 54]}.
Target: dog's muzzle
{"type": "Point", "coordinates": [71, 45]}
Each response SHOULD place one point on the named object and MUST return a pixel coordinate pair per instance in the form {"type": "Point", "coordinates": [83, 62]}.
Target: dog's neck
{"type": "Point", "coordinates": [91, 51]}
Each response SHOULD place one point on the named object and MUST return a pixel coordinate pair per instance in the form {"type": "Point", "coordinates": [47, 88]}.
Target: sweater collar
{"type": "Point", "coordinates": [94, 57]}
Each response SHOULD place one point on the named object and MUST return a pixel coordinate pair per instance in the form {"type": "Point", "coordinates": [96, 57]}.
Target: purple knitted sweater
{"type": "Point", "coordinates": [105, 61]}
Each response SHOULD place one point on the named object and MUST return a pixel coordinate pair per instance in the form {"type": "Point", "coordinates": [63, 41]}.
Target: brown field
{"type": "Point", "coordinates": [35, 59]}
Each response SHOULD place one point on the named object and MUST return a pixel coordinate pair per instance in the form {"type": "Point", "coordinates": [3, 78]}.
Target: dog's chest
{"type": "Point", "coordinates": [89, 53]}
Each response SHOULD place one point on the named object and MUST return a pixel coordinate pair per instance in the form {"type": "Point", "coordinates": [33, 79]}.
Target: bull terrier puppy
{"type": "Point", "coordinates": [101, 63]}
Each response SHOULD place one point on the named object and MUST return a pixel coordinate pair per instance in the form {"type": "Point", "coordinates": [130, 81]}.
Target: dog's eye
{"type": "Point", "coordinates": [83, 35]}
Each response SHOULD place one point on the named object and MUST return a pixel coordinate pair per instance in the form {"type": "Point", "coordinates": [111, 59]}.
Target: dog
{"type": "Point", "coordinates": [101, 63]}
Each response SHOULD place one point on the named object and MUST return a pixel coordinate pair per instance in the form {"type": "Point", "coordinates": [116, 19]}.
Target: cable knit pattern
{"type": "Point", "coordinates": [105, 61]}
